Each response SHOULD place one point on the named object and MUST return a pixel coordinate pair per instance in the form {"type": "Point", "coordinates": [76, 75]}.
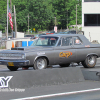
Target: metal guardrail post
{"type": "Point", "coordinates": [98, 74]}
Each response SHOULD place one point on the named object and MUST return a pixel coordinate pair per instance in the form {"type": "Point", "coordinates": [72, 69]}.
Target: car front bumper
{"type": "Point", "coordinates": [17, 63]}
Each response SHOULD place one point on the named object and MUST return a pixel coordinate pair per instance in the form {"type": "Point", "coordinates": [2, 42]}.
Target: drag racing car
{"type": "Point", "coordinates": [53, 49]}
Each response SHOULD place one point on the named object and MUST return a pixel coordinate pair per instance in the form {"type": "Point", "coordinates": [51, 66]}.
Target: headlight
{"type": "Point", "coordinates": [23, 56]}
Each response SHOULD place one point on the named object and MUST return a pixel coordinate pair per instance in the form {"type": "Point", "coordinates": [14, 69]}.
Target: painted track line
{"type": "Point", "coordinates": [58, 94]}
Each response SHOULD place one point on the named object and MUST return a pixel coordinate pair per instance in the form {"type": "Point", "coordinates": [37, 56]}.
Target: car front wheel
{"type": "Point", "coordinates": [12, 68]}
{"type": "Point", "coordinates": [40, 63]}
{"type": "Point", "coordinates": [89, 62]}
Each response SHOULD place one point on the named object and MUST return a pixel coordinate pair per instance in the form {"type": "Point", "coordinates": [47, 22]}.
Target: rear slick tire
{"type": "Point", "coordinates": [12, 68]}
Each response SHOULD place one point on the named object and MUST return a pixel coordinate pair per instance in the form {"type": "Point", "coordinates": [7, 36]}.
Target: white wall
{"type": "Point", "coordinates": [92, 33]}
{"type": "Point", "coordinates": [20, 35]}
{"type": "Point", "coordinates": [9, 42]}
{"type": "Point", "coordinates": [91, 7]}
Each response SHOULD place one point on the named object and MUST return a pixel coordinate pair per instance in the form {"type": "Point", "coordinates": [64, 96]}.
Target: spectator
{"type": "Point", "coordinates": [77, 41]}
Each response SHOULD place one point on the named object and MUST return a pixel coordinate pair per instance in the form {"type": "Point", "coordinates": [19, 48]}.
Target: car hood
{"type": "Point", "coordinates": [27, 49]}
{"type": "Point", "coordinates": [32, 48]}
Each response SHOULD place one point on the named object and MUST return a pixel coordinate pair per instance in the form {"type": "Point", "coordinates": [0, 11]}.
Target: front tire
{"type": "Point", "coordinates": [65, 65]}
{"type": "Point", "coordinates": [40, 63]}
{"type": "Point", "coordinates": [12, 68]}
{"type": "Point", "coordinates": [89, 62]}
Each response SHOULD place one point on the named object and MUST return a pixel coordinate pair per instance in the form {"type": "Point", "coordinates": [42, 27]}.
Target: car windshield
{"type": "Point", "coordinates": [45, 41]}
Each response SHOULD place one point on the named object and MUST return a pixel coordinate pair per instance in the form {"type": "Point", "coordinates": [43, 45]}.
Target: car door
{"type": "Point", "coordinates": [64, 51]}
{"type": "Point", "coordinates": [81, 50]}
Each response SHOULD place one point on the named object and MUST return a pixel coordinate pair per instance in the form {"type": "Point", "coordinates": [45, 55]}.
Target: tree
{"type": "Point", "coordinates": [3, 14]}
{"type": "Point", "coordinates": [42, 13]}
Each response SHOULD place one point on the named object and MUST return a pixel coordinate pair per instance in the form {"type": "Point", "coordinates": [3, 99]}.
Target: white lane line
{"type": "Point", "coordinates": [58, 94]}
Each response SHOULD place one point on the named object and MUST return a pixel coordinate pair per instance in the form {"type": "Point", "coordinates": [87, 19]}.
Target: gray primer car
{"type": "Point", "coordinates": [52, 49]}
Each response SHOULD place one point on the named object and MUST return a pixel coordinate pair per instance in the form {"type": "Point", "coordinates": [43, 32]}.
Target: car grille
{"type": "Point", "coordinates": [10, 56]}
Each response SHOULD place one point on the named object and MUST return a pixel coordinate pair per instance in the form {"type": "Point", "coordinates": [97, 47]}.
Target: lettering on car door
{"type": "Point", "coordinates": [65, 51]}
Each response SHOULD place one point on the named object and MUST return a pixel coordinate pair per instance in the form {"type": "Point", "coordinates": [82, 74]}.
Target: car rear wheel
{"type": "Point", "coordinates": [65, 65]}
{"type": "Point", "coordinates": [89, 62]}
{"type": "Point", "coordinates": [40, 63]}
{"type": "Point", "coordinates": [12, 68]}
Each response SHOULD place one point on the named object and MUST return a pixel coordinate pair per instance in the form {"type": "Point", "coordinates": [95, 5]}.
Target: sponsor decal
{"type": "Point", "coordinates": [4, 81]}
{"type": "Point", "coordinates": [11, 90]}
{"type": "Point", "coordinates": [65, 54]}
{"type": "Point", "coordinates": [40, 53]}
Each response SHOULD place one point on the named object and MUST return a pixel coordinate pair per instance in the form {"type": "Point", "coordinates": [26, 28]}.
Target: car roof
{"type": "Point", "coordinates": [82, 37]}
{"type": "Point", "coordinates": [60, 35]}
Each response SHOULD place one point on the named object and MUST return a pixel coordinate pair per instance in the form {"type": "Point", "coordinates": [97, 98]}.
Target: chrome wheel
{"type": "Point", "coordinates": [91, 60]}
{"type": "Point", "coordinates": [40, 63]}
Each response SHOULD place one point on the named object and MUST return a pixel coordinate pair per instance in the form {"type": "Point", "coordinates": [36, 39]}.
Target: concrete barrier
{"type": "Point", "coordinates": [91, 74]}
{"type": "Point", "coordinates": [45, 77]}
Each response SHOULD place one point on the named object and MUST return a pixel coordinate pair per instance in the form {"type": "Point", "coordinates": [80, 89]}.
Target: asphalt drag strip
{"type": "Point", "coordinates": [63, 96]}
{"type": "Point", "coordinates": [50, 81]}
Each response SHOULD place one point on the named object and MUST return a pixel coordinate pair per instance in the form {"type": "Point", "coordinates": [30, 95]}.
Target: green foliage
{"type": "Point", "coordinates": [80, 28]}
{"type": "Point", "coordinates": [3, 14]}
{"type": "Point", "coordinates": [70, 28]}
{"type": "Point", "coordinates": [42, 13]}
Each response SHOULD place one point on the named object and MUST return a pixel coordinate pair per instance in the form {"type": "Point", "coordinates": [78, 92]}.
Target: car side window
{"type": "Point", "coordinates": [77, 41]}
{"type": "Point", "coordinates": [66, 41]}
